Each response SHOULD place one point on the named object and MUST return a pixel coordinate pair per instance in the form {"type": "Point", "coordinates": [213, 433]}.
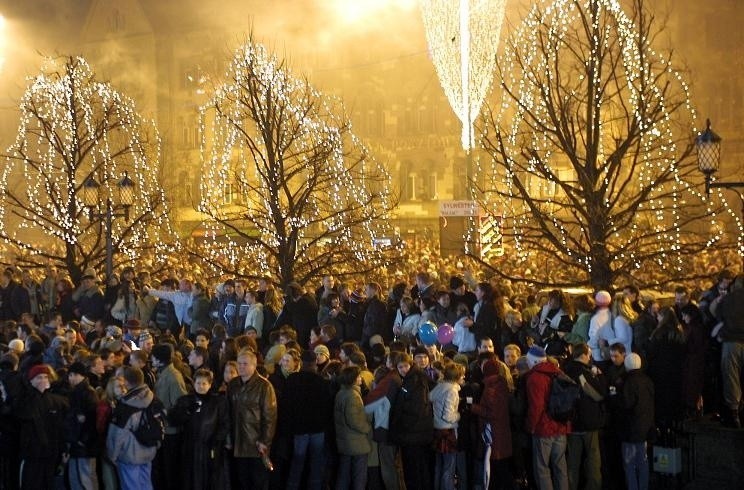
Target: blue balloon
{"type": "Point", "coordinates": [427, 333]}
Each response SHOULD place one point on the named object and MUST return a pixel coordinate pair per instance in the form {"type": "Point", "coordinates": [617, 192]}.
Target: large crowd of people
{"type": "Point", "coordinates": [433, 380]}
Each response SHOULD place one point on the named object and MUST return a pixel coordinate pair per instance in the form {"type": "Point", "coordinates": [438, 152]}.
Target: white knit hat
{"type": "Point", "coordinates": [632, 362]}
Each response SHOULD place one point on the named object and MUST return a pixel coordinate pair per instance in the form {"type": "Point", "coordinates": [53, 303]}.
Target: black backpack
{"type": "Point", "coordinates": [150, 430]}
{"type": "Point", "coordinates": [564, 395]}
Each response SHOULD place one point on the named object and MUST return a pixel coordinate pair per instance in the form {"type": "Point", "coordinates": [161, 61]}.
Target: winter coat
{"type": "Point", "coordinates": [445, 399]}
{"type": "Point", "coordinates": [538, 423]}
{"type": "Point", "coordinates": [254, 317]}
{"type": "Point", "coordinates": [378, 403]}
{"type": "Point", "coordinates": [199, 314]}
{"type": "Point", "coordinates": [375, 321]}
{"type": "Point", "coordinates": [309, 403]}
{"type": "Point", "coordinates": [485, 321]}
{"type": "Point", "coordinates": [464, 339]}
{"type": "Point", "coordinates": [81, 435]}
{"type": "Point", "coordinates": [204, 425]}
{"type": "Point", "coordinates": [411, 416]}
{"type": "Point", "coordinates": [90, 303]}
{"type": "Point", "coordinates": [352, 426]}
{"type": "Point", "coordinates": [251, 408]}
{"type": "Point", "coordinates": [731, 312]}
{"type": "Point", "coordinates": [14, 301]}
{"type": "Point", "coordinates": [493, 408]}
{"type": "Point", "coordinates": [637, 401]}
{"type": "Point", "coordinates": [41, 417]}
{"type": "Point", "coordinates": [169, 387]}
{"type": "Point", "coordinates": [121, 445]}
{"type": "Point", "coordinates": [590, 413]}
{"type": "Point", "coordinates": [302, 315]}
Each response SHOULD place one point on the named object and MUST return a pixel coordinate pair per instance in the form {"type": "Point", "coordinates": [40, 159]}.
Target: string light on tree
{"type": "Point", "coordinates": [309, 196]}
{"type": "Point", "coordinates": [592, 149]}
{"type": "Point", "coordinates": [463, 36]}
{"type": "Point", "coordinates": [73, 126]}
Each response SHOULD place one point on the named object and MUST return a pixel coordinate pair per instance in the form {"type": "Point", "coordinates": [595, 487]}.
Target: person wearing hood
{"type": "Point", "coordinates": [494, 420]}
{"type": "Point", "coordinates": [445, 401]}
{"type": "Point", "coordinates": [41, 414]}
{"type": "Point", "coordinates": [132, 459]}
{"type": "Point", "coordinates": [56, 354]}
{"type": "Point", "coordinates": [169, 387]}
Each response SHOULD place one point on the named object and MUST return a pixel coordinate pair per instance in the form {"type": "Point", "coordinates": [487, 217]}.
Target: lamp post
{"type": "Point", "coordinates": [114, 209]}
{"type": "Point", "coordinates": [708, 145]}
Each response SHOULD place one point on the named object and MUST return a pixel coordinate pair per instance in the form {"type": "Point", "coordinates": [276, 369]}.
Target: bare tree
{"type": "Point", "coordinates": [286, 183]}
{"type": "Point", "coordinates": [592, 147]}
{"type": "Point", "coordinates": [72, 127]}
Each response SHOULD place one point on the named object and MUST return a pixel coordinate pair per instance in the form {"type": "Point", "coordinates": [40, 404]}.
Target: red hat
{"type": "Point", "coordinates": [40, 369]}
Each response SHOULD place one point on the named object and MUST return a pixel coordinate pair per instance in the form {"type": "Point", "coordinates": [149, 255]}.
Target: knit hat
{"type": "Point", "coordinates": [357, 296]}
{"type": "Point", "coordinates": [376, 339]}
{"type": "Point", "coordinates": [40, 369]}
{"type": "Point", "coordinates": [602, 298]}
{"type": "Point", "coordinates": [111, 343]}
{"type": "Point", "coordinates": [87, 322]}
{"type": "Point", "coordinates": [462, 359]}
{"type": "Point", "coordinates": [632, 362]}
{"type": "Point", "coordinates": [163, 353]}
{"type": "Point", "coordinates": [77, 368]}
{"type": "Point", "coordinates": [16, 345]}
{"type": "Point", "coordinates": [535, 356]}
{"type": "Point", "coordinates": [113, 331]}
{"type": "Point", "coordinates": [144, 337]}
{"type": "Point", "coordinates": [322, 349]}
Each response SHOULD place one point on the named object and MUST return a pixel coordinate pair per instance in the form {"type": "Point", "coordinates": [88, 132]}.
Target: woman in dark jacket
{"type": "Point", "coordinates": [493, 410]}
{"type": "Point", "coordinates": [412, 424]}
{"type": "Point", "coordinates": [693, 370]}
{"type": "Point", "coordinates": [666, 356]}
{"type": "Point", "coordinates": [203, 417]}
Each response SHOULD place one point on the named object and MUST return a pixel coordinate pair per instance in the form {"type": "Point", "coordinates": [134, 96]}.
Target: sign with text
{"type": "Point", "coordinates": [459, 208]}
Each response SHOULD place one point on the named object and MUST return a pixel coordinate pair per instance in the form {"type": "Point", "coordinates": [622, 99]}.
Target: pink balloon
{"type": "Point", "coordinates": [445, 333]}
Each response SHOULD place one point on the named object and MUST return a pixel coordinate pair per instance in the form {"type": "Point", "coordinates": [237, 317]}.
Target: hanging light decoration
{"type": "Point", "coordinates": [463, 37]}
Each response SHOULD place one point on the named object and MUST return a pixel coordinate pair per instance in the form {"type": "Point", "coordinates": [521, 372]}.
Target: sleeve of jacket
{"type": "Point", "coordinates": [355, 417]}
{"type": "Point", "coordinates": [450, 413]}
{"type": "Point", "coordinates": [536, 395]}
{"type": "Point", "coordinates": [268, 414]}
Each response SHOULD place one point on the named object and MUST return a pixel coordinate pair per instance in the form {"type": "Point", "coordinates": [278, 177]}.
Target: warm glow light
{"type": "Point", "coordinates": [355, 10]}
{"type": "Point", "coordinates": [463, 37]}
{"type": "Point", "coordinates": [3, 41]}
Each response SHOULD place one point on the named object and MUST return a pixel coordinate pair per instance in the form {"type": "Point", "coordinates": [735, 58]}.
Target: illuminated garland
{"type": "Point", "coordinates": [72, 126]}
{"type": "Point", "coordinates": [463, 36]}
{"type": "Point", "coordinates": [567, 59]}
{"type": "Point", "coordinates": [303, 183]}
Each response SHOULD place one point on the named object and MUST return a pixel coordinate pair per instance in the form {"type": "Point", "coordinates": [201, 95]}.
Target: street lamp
{"type": "Point", "coordinates": [124, 199]}
{"type": "Point", "coordinates": [708, 145]}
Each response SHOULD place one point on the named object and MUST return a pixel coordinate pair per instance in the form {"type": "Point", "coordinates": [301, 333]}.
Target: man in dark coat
{"type": "Point", "coordinates": [375, 316]}
{"type": "Point", "coordinates": [14, 299]}
{"type": "Point", "coordinates": [638, 404]}
{"type": "Point", "coordinates": [300, 311]}
{"type": "Point", "coordinates": [89, 297]}
{"type": "Point", "coordinates": [309, 401]}
{"type": "Point", "coordinates": [41, 414]}
{"type": "Point", "coordinates": [81, 437]}
{"type": "Point", "coordinates": [583, 441]}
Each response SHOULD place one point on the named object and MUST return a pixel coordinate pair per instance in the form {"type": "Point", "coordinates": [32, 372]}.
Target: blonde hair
{"type": "Point", "coordinates": [622, 307]}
